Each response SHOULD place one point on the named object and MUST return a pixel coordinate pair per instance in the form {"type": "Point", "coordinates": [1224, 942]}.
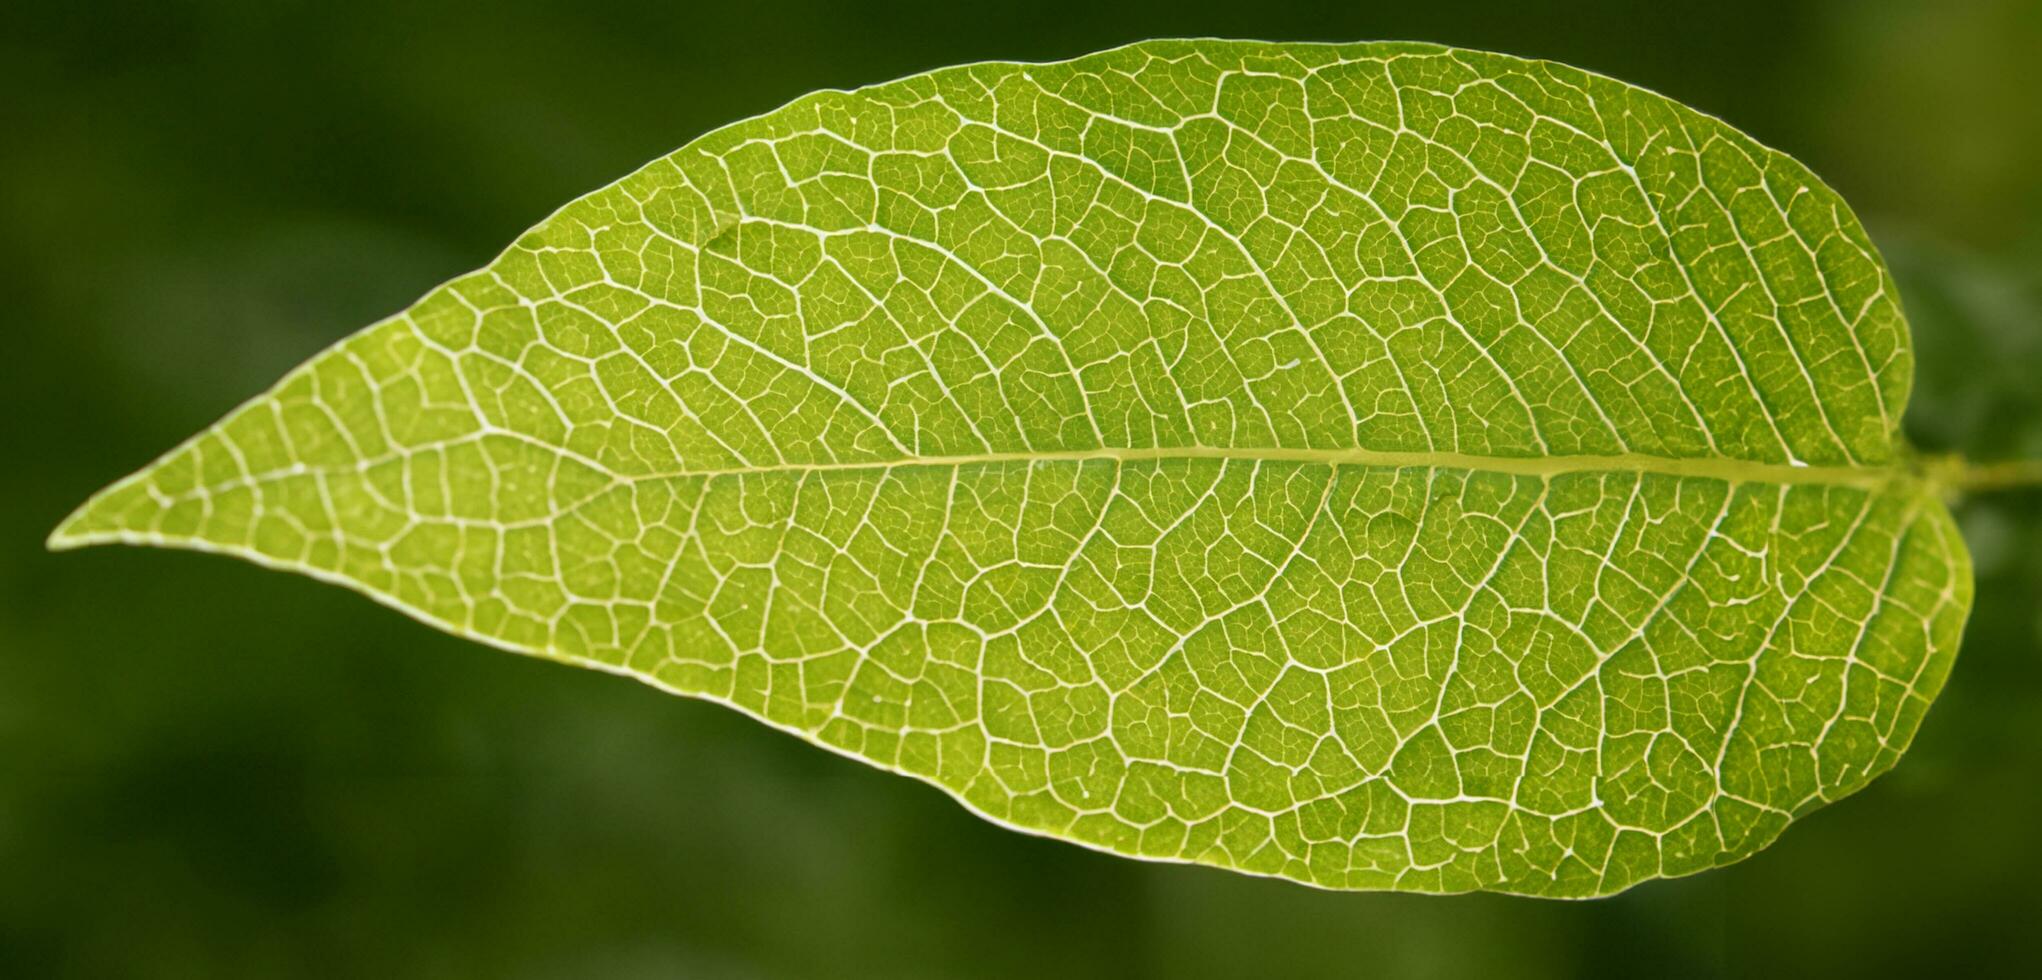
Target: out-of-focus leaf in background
{"type": "Point", "coordinates": [196, 195]}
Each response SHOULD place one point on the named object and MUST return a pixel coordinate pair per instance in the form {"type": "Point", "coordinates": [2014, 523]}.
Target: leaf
{"type": "Point", "coordinates": [1378, 465]}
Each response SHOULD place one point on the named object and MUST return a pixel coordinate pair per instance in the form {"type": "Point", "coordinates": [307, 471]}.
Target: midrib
{"type": "Point", "coordinates": [1718, 468]}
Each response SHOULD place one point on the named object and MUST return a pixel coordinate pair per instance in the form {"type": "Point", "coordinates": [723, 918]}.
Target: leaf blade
{"type": "Point", "coordinates": [826, 406]}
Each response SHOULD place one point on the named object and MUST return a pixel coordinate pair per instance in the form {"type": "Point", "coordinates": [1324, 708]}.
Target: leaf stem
{"type": "Point", "coordinates": [2018, 474]}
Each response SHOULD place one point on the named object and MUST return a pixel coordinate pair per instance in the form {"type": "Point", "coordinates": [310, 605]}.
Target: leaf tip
{"type": "Point", "coordinates": [104, 518]}
{"type": "Point", "coordinates": [64, 539]}
{"type": "Point", "coordinates": [77, 530]}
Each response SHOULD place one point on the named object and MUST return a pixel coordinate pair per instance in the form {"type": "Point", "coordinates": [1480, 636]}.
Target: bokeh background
{"type": "Point", "coordinates": [211, 770]}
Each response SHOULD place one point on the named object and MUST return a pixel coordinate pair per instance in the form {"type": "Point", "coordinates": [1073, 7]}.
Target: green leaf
{"type": "Point", "coordinates": [1377, 465]}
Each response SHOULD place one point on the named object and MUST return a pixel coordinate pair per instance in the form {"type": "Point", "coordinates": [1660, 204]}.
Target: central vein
{"type": "Point", "coordinates": [1719, 468]}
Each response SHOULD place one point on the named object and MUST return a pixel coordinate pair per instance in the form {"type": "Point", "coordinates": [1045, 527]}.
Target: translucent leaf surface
{"type": "Point", "coordinates": [1379, 465]}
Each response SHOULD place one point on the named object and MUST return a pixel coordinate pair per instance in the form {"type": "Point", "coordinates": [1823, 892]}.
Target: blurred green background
{"type": "Point", "coordinates": [210, 770]}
